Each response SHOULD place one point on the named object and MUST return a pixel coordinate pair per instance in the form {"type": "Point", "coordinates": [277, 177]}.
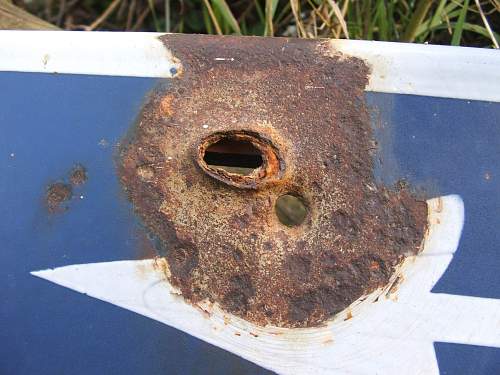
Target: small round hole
{"type": "Point", "coordinates": [291, 210]}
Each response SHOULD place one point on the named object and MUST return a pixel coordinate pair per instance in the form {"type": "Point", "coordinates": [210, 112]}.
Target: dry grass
{"type": "Point", "coordinates": [456, 22]}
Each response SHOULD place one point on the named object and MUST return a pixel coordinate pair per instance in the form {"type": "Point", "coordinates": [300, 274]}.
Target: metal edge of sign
{"type": "Point", "coordinates": [416, 69]}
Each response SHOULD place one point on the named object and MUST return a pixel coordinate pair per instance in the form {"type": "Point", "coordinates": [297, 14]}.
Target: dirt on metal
{"type": "Point", "coordinates": [301, 105]}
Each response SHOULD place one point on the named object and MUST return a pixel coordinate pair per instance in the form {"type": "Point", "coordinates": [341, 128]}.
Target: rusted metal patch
{"type": "Point", "coordinates": [301, 106]}
{"type": "Point", "coordinates": [78, 175]}
{"type": "Point", "coordinates": [55, 196]}
{"type": "Point", "coordinates": [273, 164]}
{"type": "Point", "coordinates": [61, 192]}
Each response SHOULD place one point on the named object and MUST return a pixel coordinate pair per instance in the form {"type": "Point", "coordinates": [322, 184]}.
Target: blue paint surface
{"type": "Point", "coordinates": [456, 359]}
{"type": "Point", "coordinates": [49, 123]}
{"type": "Point", "coordinates": [449, 146]}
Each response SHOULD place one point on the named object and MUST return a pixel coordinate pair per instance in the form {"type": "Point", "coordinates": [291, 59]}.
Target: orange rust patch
{"type": "Point", "coordinates": [142, 271]}
{"type": "Point", "coordinates": [349, 315]}
{"type": "Point", "coordinates": [271, 171]}
{"type": "Point", "coordinates": [439, 208]}
{"type": "Point", "coordinates": [220, 233]}
{"type": "Point", "coordinates": [161, 265]}
{"type": "Point", "coordinates": [61, 192]}
{"type": "Point", "coordinates": [395, 285]}
{"type": "Point", "coordinates": [327, 341]}
{"type": "Point", "coordinates": [56, 195]}
{"type": "Point", "coordinates": [78, 175]}
{"type": "Point", "coordinates": [166, 105]}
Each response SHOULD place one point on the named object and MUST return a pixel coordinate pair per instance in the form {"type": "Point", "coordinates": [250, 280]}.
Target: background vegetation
{"type": "Point", "coordinates": [456, 22]}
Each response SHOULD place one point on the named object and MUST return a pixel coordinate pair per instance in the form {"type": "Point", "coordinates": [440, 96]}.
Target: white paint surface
{"type": "Point", "coordinates": [420, 69]}
{"type": "Point", "coordinates": [391, 336]}
{"type": "Point", "coordinates": [453, 72]}
{"type": "Point", "coordinates": [99, 53]}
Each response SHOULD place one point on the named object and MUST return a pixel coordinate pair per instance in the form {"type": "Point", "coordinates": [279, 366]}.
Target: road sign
{"type": "Point", "coordinates": [70, 102]}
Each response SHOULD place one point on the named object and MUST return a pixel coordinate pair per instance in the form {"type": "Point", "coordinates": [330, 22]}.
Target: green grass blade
{"type": "Point", "coordinates": [391, 21]}
{"type": "Point", "coordinates": [416, 20]}
{"type": "Point", "coordinates": [381, 20]}
{"type": "Point", "coordinates": [475, 29]}
{"type": "Point", "coordinates": [367, 18]}
{"type": "Point", "coordinates": [227, 15]}
{"type": "Point", "coordinates": [481, 30]}
{"type": "Point", "coordinates": [271, 6]}
{"type": "Point", "coordinates": [459, 25]}
{"type": "Point", "coordinates": [260, 12]}
{"type": "Point", "coordinates": [207, 22]}
{"type": "Point", "coordinates": [423, 30]}
{"type": "Point", "coordinates": [437, 17]}
{"type": "Point", "coordinates": [153, 12]}
{"type": "Point", "coordinates": [427, 27]}
{"type": "Point", "coordinates": [243, 26]}
{"type": "Point", "coordinates": [213, 17]}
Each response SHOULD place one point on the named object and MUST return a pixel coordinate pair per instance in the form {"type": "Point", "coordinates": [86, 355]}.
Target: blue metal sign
{"type": "Point", "coordinates": [51, 124]}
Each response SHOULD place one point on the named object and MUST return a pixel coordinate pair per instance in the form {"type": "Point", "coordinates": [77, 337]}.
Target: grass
{"type": "Point", "coordinates": [455, 22]}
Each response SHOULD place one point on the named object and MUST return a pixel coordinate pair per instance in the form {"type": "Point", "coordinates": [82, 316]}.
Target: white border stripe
{"type": "Point", "coordinates": [99, 53]}
{"type": "Point", "coordinates": [453, 72]}
{"type": "Point", "coordinates": [419, 69]}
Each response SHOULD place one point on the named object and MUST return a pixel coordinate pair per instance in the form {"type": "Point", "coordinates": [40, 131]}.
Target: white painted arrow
{"type": "Point", "coordinates": [391, 331]}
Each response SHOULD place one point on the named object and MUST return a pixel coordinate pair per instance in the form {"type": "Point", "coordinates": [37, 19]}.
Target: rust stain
{"type": "Point", "coordinates": [61, 192]}
{"type": "Point", "coordinates": [166, 105]}
{"type": "Point", "coordinates": [349, 315]}
{"type": "Point", "coordinates": [56, 194]}
{"type": "Point", "coordinates": [146, 247]}
{"type": "Point", "coordinates": [78, 175]}
{"type": "Point", "coordinates": [439, 207]}
{"type": "Point", "coordinates": [328, 341]}
{"type": "Point", "coordinates": [274, 333]}
{"type": "Point", "coordinates": [273, 164]}
{"type": "Point", "coordinates": [142, 271]}
{"type": "Point", "coordinates": [161, 265]}
{"type": "Point", "coordinates": [222, 237]}
{"type": "Point", "coordinates": [393, 288]}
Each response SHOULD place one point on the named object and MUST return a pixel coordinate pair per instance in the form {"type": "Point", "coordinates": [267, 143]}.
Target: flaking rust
{"type": "Point", "coordinates": [302, 107]}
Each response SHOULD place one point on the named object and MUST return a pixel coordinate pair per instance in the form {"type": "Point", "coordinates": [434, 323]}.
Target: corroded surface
{"type": "Point", "coordinates": [78, 175]}
{"type": "Point", "coordinates": [59, 193]}
{"type": "Point", "coordinates": [272, 169]}
{"type": "Point", "coordinates": [221, 235]}
{"type": "Point", "coordinates": [55, 196]}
